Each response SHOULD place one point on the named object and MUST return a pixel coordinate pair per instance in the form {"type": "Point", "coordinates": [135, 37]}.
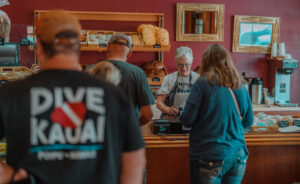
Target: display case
{"type": "Point", "coordinates": [273, 158]}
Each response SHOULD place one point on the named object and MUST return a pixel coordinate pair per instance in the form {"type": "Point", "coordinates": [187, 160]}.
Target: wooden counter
{"type": "Point", "coordinates": [274, 157]}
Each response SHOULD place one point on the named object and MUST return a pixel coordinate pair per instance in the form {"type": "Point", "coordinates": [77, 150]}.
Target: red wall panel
{"type": "Point", "coordinates": [255, 65]}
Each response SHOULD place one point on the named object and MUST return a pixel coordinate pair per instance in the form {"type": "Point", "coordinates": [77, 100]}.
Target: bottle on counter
{"type": "Point", "coordinates": [256, 93]}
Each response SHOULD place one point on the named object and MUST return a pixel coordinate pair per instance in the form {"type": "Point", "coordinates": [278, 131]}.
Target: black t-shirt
{"type": "Point", "coordinates": [65, 126]}
{"type": "Point", "coordinates": [134, 84]}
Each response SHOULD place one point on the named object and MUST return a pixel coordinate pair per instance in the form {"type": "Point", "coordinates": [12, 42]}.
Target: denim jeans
{"type": "Point", "coordinates": [228, 171]}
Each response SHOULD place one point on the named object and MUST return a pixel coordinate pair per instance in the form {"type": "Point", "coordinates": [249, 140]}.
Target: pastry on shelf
{"type": "Point", "coordinates": [136, 40]}
{"type": "Point", "coordinates": [154, 69]}
{"type": "Point", "coordinates": [141, 27]}
{"type": "Point", "coordinates": [149, 36]}
{"type": "Point", "coordinates": [162, 37]}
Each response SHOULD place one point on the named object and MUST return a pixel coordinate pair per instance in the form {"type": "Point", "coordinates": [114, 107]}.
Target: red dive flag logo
{"type": "Point", "coordinates": [69, 115]}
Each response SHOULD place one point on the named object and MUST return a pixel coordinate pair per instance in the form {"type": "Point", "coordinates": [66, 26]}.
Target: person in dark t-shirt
{"type": "Point", "coordinates": [134, 81]}
{"type": "Point", "coordinates": [63, 125]}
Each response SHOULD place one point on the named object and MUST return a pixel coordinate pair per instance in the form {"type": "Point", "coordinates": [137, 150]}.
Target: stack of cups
{"type": "Point", "coordinates": [281, 51]}
{"type": "Point", "coordinates": [274, 50]}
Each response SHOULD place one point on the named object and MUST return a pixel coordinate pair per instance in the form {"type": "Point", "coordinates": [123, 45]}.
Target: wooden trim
{"type": "Point", "coordinates": [252, 139]}
{"type": "Point", "coordinates": [101, 49]}
{"type": "Point", "coordinates": [238, 19]}
{"type": "Point", "coordinates": [112, 16]}
{"type": "Point", "coordinates": [219, 8]}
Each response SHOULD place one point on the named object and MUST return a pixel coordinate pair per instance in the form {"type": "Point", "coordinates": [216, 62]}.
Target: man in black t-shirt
{"type": "Point", "coordinates": [65, 126]}
{"type": "Point", "coordinates": [134, 81]}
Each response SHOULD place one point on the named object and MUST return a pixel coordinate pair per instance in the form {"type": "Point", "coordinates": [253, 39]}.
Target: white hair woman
{"type": "Point", "coordinates": [176, 86]}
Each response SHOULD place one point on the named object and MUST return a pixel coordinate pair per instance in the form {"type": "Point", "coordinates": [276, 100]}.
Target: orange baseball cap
{"type": "Point", "coordinates": [53, 22]}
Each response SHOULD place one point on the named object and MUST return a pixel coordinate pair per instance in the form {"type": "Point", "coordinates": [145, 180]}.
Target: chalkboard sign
{"type": "Point", "coordinates": [156, 46]}
{"type": "Point", "coordinates": [282, 124]}
{"type": "Point", "coordinates": [297, 122]}
{"type": "Point", "coordinates": [25, 42]}
{"type": "Point", "coordinates": [102, 45]}
{"type": "Point", "coordinates": [155, 79]}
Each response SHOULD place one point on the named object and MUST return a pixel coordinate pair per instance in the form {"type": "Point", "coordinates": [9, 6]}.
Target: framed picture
{"type": "Point", "coordinates": [254, 34]}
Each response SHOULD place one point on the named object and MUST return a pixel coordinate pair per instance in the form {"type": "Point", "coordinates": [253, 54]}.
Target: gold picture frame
{"type": "Point", "coordinates": [217, 8]}
{"type": "Point", "coordinates": [255, 34]}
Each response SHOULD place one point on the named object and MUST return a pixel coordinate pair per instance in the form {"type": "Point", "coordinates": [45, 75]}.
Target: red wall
{"type": "Point", "coordinates": [255, 65]}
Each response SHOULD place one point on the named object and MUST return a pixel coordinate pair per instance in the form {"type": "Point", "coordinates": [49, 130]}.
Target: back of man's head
{"type": "Point", "coordinates": [119, 46]}
{"type": "Point", "coordinates": [58, 32]}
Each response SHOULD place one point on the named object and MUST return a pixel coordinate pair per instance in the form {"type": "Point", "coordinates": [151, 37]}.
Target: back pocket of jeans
{"type": "Point", "coordinates": [242, 162]}
{"type": "Point", "coordinates": [212, 168]}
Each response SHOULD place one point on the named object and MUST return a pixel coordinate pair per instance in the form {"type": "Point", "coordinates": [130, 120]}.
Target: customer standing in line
{"type": "Point", "coordinates": [63, 125]}
{"type": "Point", "coordinates": [218, 152]}
{"type": "Point", "coordinates": [134, 81]}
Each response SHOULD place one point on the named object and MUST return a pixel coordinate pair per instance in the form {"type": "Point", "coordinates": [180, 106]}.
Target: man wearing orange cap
{"type": "Point", "coordinates": [65, 126]}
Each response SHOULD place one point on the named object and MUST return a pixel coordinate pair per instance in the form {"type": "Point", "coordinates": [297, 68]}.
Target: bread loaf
{"type": "Point", "coordinates": [5, 26]}
{"type": "Point", "coordinates": [162, 37]}
{"type": "Point", "coordinates": [149, 36]}
{"type": "Point", "coordinates": [136, 40]}
{"type": "Point", "coordinates": [143, 26]}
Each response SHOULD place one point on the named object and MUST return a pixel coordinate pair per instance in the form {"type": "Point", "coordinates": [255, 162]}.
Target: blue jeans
{"type": "Point", "coordinates": [228, 171]}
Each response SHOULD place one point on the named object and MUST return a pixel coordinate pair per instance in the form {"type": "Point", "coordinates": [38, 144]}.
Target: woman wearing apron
{"type": "Point", "coordinates": [176, 86]}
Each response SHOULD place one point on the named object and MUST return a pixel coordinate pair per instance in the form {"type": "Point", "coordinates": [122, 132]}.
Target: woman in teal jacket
{"type": "Point", "coordinates": [218, 152]}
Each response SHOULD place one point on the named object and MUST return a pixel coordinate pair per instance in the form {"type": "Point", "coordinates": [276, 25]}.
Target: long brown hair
{"type": "Point", "coordinates": [217, 65]}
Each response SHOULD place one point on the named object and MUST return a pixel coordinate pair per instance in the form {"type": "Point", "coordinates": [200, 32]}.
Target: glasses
{"type": "Point", "coordinates": [184, 65]}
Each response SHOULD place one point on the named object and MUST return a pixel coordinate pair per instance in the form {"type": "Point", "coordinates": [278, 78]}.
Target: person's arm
{"type": "Point", "coordinates": [6, 174]}
{"type": "Point", "coordinates": [146, 114]}
{"type": "Point", "coordinates": [173, 111]}
{"type": "Point", "coordinates": [249, 117]}
{"type": "Point", "coordinates": [144, 98]}
{"type": "Point", "coordinates": [191, 110]}
{"type": "Point", "coordinates": [133, 165]}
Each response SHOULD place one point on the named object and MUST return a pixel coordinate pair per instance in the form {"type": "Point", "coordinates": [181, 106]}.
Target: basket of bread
{"type": "Point", "coordinates": [155, 72]}
{"type": "Point", "coordinates": [11, 73]}
{"type": "Point", "coordinates": [83, 38]}
{"type": "Point", "coordinates": [275, 123]}
{"type": "Point", "coordinates": [152, 35]}
{"type": "Point", "coordinates": [98, 38]}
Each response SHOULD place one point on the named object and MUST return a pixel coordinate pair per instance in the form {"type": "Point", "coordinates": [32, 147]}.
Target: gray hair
{"type": "Point", "coordinates": [184, 52]}
{"type": "Point", "coordinates": [107, 71]}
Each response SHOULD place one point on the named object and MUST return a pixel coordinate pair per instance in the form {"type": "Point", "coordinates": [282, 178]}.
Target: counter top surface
{"type": "Point", "coordinates": [274, 108]}
{"type": "Point", "coordinates": [252, 139]}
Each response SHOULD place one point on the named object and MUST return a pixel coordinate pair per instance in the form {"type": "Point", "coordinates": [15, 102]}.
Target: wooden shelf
{"type": "Point", "coordinates": [149, 18]}
{"type": "Point", "coordinates": [144, 49]}
{"type": "Point", "coordinates": [113, 16]}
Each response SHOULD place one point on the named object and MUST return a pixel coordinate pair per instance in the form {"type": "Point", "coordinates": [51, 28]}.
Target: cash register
{"type": "Point", "coordinates": [165, 126]}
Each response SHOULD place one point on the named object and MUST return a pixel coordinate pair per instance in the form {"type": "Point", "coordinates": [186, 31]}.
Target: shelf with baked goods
{"type": "Point", "coordinates": [87, 43]}
{"type": "Point", "coordinates": [96, 40]}
{"type": "Point", "coordinates": [150, 36]}
{"type": "Point", "coordinates": [145, 49]}
{"type": "Point", "coordinates": [155, 72]}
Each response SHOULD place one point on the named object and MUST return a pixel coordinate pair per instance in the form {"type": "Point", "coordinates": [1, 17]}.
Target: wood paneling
{"type": "Point", "coordinates": [266, 165]}
{"type": "Point", "coordinates": [167, 166]}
